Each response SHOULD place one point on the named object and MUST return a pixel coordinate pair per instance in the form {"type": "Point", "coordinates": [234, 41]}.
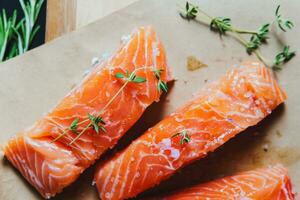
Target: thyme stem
{"type": "Point", "coordinates": [223, 25]}
{"type": "Point", "coordinates": [81, 133]}
{"type": "Point", "coordinates": [256, 52]}
{"type": "Point", "coordinates": [102, 110]}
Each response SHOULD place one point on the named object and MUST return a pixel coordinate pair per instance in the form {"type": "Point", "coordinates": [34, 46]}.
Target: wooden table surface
{"type": "Point", "coordinates": [64, 16]}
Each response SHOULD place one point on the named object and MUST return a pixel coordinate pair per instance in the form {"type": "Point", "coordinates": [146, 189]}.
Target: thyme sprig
{"type": "Point", "coordinates": [191, 12]}
{"type": "Point", "coordinates": [257, 39]}
{"type": "Point", "coordinates": [131, 77]}
{"type": "Point", "coordinates": [220, 25]}
{"type": "Point", "coordinates": [223, 25]}
{"type": "Point", "coordinates": [282, 23]}
{"type": "Point", "coordinates": [74, 125]}
{"type": "Point", "coordinates": [161, 85]}
{"type": "Point", "coordinates": [96, 121]}
{"type": "Point", "coordinates": [185, 137]}
{"type": "Point", "coordinates": [283, 57]}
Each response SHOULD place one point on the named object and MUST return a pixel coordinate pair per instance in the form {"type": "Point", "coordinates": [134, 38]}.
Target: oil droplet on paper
{"type": "Point", "coordinates": [193, 63]}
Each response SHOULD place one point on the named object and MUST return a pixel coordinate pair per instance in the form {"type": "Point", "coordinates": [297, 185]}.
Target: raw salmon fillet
{"type": "Point", "coordinates": [272, 183]}
{"type": "Point", "coordinates": [241, 98]}
{"type": "Point", "coordinates": [50, 166]}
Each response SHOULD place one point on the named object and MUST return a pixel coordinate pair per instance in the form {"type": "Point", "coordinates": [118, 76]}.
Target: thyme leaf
{"type": "Point", "coordinates": [282, 23]}
{"type": "Point", "coordinates": [119, 75]}
{"type": "Point", "coordinates": [257, 39]}
{"type": "Point", "coordinates": [190, 12]}
{"type": "Point", "coordinates": [74, 125]}
{"type": "Point", "coordinates": [130, 77]}
{"type": "Point", "coordinates": [161, 85]}
{"type": "Point", "coordinates": [97, 123]}
{"type": "Point", "coordinates": [185, 137]}
{"type": "Point", "coordinates": [220, 25]}
{"type": "Point", "coordinates": [139, 80]}
{"type": "Point", "coordinates": [284, 56]}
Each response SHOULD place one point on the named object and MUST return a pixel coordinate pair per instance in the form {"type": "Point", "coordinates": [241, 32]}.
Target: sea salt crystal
{"type": "Point", "coordinates": [95, 61]}
{"type": "Point", "coordinates": [125, 38]}
{"type": "Point", "coordinates": [175, 153]}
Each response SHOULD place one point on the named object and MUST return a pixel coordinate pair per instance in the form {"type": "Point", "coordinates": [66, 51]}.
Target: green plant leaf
{"type": "Point", "coordinates": [162, 86]}
{"type": "Point", "coordinates": [74, 125]}
{"type": "Point", "coordinates": [35, 30]}
{"type": "Point", "coordinates": [119, 75]}
{"type": "Point", "coordinates": [139, 80]}
{"type": "Point", "coordinates": [97, 122]}
{"type": "Point", "coordinates": [185, 137]}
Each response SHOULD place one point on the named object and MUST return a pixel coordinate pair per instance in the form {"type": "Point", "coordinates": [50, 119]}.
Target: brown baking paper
{"type": "Point", "coordinates": [33, 83]}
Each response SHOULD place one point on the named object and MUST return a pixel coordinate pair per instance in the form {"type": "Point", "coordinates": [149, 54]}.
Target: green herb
{"type": "Point", "coordinates": [283, 57]}
{"type": "Point", "coordinates": [26, 30]}
{"type": "Point", "coordinates": [161, 85]}
{"type": "Point", "coordinates": [191, 12]}
{"type": "Point", "coordinates": [97, 122]}
{"type": "Point", "coordinates": [119, 75]}
{"type": "Point", "coordinates": [131, 77]}
{"type": "Point", "coordinates": [185, 137]}
{"type": "Point", "coordinates": [16, 37]}
{"type": "Point", "coordinates": [74, 125]}
{"type": "Point", "coordinates": [157, 73]}
{"type": "Point", "coordinates": [139, 80]}
{"type": "Point", "coordinates": [282, 23]}
{"type": "Point", "coordinates": [257, 39]}
{"type": "Point", "coordinates": [6, 31]}
{"type": "Point", "coordinates": [222, 25]}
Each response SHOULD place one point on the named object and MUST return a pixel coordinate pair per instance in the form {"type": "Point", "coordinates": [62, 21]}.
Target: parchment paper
{"type": "Point", "coordinates": [33, 83]}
